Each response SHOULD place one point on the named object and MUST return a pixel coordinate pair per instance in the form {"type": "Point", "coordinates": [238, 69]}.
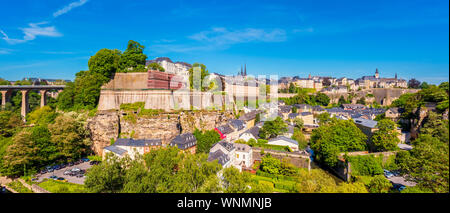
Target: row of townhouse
{"type": "Point", "coordinates": [341, 85]}
{"type": "Point", "coordinates": [348, 111]}
{"type": "Point", "coordinates": [131, 147]}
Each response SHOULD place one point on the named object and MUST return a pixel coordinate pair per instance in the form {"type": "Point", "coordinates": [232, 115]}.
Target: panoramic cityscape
{"type": "Point", "coordinates": [276, 101]}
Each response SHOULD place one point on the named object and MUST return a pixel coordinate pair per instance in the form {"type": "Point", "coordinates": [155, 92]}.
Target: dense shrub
{"type": "Point", "coordinates": [366, 165]}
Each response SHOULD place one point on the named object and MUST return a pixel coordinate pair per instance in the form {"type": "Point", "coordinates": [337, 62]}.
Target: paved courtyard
{"type": "Point", "coordinates": [60, 173]}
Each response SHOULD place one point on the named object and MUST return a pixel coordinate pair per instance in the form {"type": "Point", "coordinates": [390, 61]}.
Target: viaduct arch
{"type": "Point", "coordinates": [6, 91]}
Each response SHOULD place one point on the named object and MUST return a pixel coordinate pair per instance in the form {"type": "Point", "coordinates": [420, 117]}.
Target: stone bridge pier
{"type": "Point", "coordinates": [6, 94]}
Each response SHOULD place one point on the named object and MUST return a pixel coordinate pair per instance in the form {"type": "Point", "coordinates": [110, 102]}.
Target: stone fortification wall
{"type": "Point", "coordinates": [128, 81]}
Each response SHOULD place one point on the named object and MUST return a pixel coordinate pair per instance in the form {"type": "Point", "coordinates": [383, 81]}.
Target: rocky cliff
{"type": "Point", "coordinates": [110, 125]}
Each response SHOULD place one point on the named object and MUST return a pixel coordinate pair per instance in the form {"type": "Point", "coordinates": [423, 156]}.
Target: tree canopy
{"type": "Point", "coordinates": [335, 137]}
{"type": "Point", "coordinates": [105, 62]}
{"type": "Point", "coordinates": [133, 58]}
{"type": "Point", "coordinates": [273, 128]}
{"type": "Point", "coordinates": [386, 137]}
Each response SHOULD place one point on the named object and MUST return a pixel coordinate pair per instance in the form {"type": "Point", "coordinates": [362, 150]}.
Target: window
{"type": "Point", "coordinates": [237, 155]}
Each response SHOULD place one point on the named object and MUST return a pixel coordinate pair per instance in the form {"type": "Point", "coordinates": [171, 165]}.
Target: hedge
{"type": "Point", "coordinates": [286, 185]}
{"type": "Point", "coordinates": [277, 177]}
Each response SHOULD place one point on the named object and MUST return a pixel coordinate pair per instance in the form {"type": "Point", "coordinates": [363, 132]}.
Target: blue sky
{"type": "Point", "coordinates": [55, 38]}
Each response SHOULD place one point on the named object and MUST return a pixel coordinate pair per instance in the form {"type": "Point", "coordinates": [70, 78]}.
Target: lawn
{"type": "Point", "coordinates": [19, 187]}
{"type": "Point", "coordinates": [61, 187]}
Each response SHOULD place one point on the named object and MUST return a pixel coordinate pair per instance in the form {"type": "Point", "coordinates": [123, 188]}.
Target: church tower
{"type": "Point", "coordinates": [395, 76]}
{"type": "Point", "coordinates": [245, 70]}
{"type": "Point", "coordinates": [377, 74]}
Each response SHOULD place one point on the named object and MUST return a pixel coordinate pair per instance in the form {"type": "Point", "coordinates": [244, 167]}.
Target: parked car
{"type": "Point", "coordinates": [63, 166]}
{"type": "Point", "coordinates": [53, 177]}
{"type": "Point", "coordinates": [398, 187]}
{"type": "Point", "coordinates": [76, 169]}
{"type": "Point", "coordinates": [67, 172]}
{"type": "Point", "coordinates": [61, 179]}
{"type": "Point", "coordinates": [43, 171]}
{"type": "Point", "coordinates": [85, 159]}
{"type": "Point", "coordinates": [80, 175]}
{"type": "Point", "coordinates": [396, 173]}
{"type": "Point", "coordinates": [388, 174]}
{"type": "Point", "coordinates": [70, 164]}
{"type": "Point", "coordinates": [50, 170]}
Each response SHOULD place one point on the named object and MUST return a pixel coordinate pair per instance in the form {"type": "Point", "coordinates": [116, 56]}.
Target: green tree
{"type": "Point", "coordinates": [362, 101]}
{"type": "Point", "coordinates": [292, 88]}
{"type": "Point", "coordinates": [413, 83]}
{"type": "Point", "coordinates": [342, 100]}
{"type": "Point", "coordinates": [436, 126]}
{"type": "Point", "coordinates": [273, 128]}
{"type": "Point", "coordinates": [379, 184]}
{"type": "Point", "coordinates": [322, 99]}
{"type": "Point", "coordinates": [324, 118]}
{"type": "Point", "coordinates": [300, 138]}
{"type": "Point", "coordinates": [133, 58]}
{"type": "Point", "coordinates": [156, 66]}
{"type": "Point", "coordinates": [351, 188]}
{"type": "Point", "coordinates": [200, 83]}
{"type": "Point", "coordinates": [236, 182]}
{"type": "Point", "coordinates": [205, 140]}
{"type": "Point", "coordinates": [4, 82]}
{"type": "Point", "coordinates": [315, 181]}
{"type": "Point", "coordinates": [299, 123]}
{"type": "Point", "coordinates": [65, 100]}
{"type": "Point", "coordinates": [84, 93]}
{"type": "Point", "coordinates": [294, 109]}
{"type": "Point", "coordinates": [428, 163]}
{"type": "Point", "coordinates": [270, 165]}
{"type": "Point", "coordinates": [386, 137]}
{"type": "Point", "coordinates": [107, 177]}
{"type": "Point", "coordinates": [424, 85]}
{"type": "Point", "coordinates": [331, 139]}
{"type": "Point", "coordinates": [105, 62]}
{"type": "Point", "coordinates": [9, 123]}
{"type": "Point", "coordinates": [31, 148]}
{"type": "Point", "coordinates": [42, 116]}
{"type": "Point", "coordinates": [444, 86]}
{"type": "Point", "coordinates": [70, 136]}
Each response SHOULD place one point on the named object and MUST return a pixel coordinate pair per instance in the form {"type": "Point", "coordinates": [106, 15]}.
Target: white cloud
{"type": "Point", "coordinates": [69, 7]}
{"type": "Point", "coordinates": [303, 30]}
{"type": "Point", "coordinates": [220, 38]}
{"type": "Point", "coordinates": [57, 52]}
{"type": "Point", "coordinates": [5, 51]}
{"type": "Point", "coordinates": [223, 36]}
{"type": "Point", "coordinates": [32, 32]}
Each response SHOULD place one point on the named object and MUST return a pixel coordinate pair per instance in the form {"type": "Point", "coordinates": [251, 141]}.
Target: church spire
{"type": "Point", "coordinates": [245, 70]}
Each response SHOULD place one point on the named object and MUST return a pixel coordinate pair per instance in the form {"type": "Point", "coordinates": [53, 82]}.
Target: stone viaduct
{"type": "Point", "coordinates": [6, 91]}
